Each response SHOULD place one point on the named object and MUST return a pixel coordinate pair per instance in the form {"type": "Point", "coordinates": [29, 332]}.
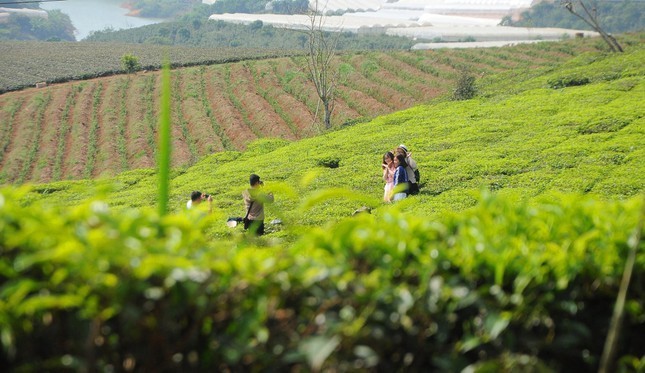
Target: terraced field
{"type": "Point", "coordinates": [103, 126]}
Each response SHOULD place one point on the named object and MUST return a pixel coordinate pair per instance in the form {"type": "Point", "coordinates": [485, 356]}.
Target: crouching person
{"type": "Point", "coordinates": [254, 200]}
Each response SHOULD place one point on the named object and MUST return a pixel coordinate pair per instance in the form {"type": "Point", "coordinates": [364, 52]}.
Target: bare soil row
{"type": "Point", "coordinates": [103, 126]}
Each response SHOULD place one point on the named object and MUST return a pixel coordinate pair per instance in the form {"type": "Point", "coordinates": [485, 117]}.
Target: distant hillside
{"type": "Point", "coordinates": [615, 16]}
{"type": "Point", "coordinates": [102, 127]}
{"type": "Point", "coordinates": [197, 30]}
{"type": "Point", "coordinates": [30, 25]}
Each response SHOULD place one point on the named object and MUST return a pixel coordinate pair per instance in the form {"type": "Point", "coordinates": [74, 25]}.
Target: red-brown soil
{"type": "Point", "coordinates": [81, 117]}
{"type": "Point", "coordinates": [198, 121]}
{"type": "Point", "coordinates": [297, 112]}
{"type": "Point", "coordinates": [422, 86]}
{"type": "Point", "coordinates": [44, 161]}
{"type": "Point", "coordinates": [218, 107]}
{"type": "Point", "coordinates": [137, 146]}
{"type": "Point", "coordinates": [226, 115]}
{"type": "Point", "coordinates": [8, 124]}
{"type": "Point", "coordinates": [24, 133]}
{"type": "Point", "coordinates": [181, 154]}
{"type": "Point", "coordinates": [106, 160]}
{"type": "Point", "coordinates": [259, 113]}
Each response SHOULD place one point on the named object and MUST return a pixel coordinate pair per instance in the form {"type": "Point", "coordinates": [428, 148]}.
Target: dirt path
{"type": "Point", "coordinates": [259, 112]}
{"type": "Point", "coordinates": [359, 80]}
{"type": "Point", "coordinates": [198, 124]}
{"type": "Point", "coordinates": [107, 159]}
{"type": "Point", "coordinates": [66, 126]}
{"type": "Point", "coordinates": [25, 133]}
{"type": "Point", "coordinates": [8, 125]}
{"type": "Point", "coordinates": [75, 155]}
{"type": "Point", "coordinates": [225, 113]}
{"type": "Point", "coordinates": [51, 133]}
{"type": "Point", "coordinates": [423, 85]}
{"type": "Point", "coordinates": [151, 120]}
{"type": "Point", "coordinates": [217, 140]}
{"type": "Point", "coordinates": [295, 83]}
{"type": "Point", "coordinates": [136, 127]}
{"type": "Point", "coordinates": [181, 139]}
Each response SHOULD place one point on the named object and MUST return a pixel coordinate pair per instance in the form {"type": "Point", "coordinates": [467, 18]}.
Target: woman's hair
{"type": "Point", "coordinates": [401, 159]}
{"type": "Point", "coordinates": [388, 154]}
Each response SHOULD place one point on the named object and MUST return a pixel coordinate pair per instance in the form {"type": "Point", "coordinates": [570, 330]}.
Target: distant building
{"type": "Point", "coordinates": [436, 20]}
{"type": "Point", "coordinates": [25, 12]}
{"type": "Point", "coordinates": [209, 2]}
{"type": "Point", "coordinates": [5, 13]}
{"type": "Point", "coordinates": [480, 7]}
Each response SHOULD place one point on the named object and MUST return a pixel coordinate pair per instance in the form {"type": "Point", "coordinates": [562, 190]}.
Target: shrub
{"type": "Point", "coordinates": [130, 63]}
{"type": "Point", "coordinates": [465, 89]}
{"type": "Point", "coordinates": [568, 81]}
{"type": "Point", "coordinates": [329, 162]}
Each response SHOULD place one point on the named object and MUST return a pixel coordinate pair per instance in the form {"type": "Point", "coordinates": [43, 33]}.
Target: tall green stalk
{"type": "Point", "coordinates": [607, 361]}
{"type": "Point", "coordinates": [163, 159]}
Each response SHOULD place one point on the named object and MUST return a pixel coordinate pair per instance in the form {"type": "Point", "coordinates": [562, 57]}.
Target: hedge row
{"type": "Point", "coordinates": [504, 286]}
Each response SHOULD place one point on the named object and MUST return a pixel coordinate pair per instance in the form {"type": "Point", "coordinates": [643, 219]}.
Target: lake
{"type": "Point", "coordinates": [96, 15]}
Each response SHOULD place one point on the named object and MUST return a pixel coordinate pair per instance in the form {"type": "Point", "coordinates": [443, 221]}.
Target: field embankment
{"type": "Point", "coordinates": [104, 126]}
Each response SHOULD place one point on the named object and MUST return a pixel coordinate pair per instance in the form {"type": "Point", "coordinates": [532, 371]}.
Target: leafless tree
{"type": "Point", "coordinates": [321, 51]}
{"type": "Point", "coordinates": [589, 14]}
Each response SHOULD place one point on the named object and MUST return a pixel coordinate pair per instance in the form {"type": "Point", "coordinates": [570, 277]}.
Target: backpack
{"type": "Point", "coordinates": [417, 176]}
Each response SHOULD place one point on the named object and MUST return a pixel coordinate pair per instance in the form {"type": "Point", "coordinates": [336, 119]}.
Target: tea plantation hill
{"type": "Point", "coordinates": [510, 259]}
{"type": "Point", "coordinates": [576, 129]}
{"type": "Point", "coordinates": [102, 127]}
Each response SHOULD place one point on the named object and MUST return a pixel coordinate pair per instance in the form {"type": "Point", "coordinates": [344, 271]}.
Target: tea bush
{"type": "Point", "coordinates": [496, 283]}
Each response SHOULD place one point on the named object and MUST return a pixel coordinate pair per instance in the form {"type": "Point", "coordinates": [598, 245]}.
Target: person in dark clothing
{"type": "Point", "coordinates": [401, 179]}
{"type": "Point", "coordinates": [411, 169]}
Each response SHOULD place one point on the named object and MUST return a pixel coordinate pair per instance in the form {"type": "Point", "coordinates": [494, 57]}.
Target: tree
{"type": "Point", "coordinates": [465, 89]}
{"type": "Point", "coordinates": [130, 63]}
{"type": "Point", "coordinates": [321, 50]}
{"type": "Point", "coordinates": [589, 15]}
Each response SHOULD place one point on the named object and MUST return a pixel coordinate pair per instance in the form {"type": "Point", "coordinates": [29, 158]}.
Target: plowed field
{"type": "Point", "coordinates": [104, 126]}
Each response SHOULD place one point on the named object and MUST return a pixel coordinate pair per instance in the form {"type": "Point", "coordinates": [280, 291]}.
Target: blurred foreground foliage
{"type": "Point", "coordinates": [503, 286]}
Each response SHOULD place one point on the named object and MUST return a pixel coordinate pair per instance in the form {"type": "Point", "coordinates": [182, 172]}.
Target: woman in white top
{"type": "Point", "coordinates": [388, 175]}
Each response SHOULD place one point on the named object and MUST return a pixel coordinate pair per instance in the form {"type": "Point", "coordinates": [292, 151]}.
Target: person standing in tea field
{"type": "Point", "coordinates": [388, 175]}
{"type": "Point", "coordinates": [411, 169]}
{"type": "Point", "coordinates": [254, 200]}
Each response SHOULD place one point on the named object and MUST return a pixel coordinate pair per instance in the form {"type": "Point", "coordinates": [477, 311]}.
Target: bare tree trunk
{"type": "Point", "coordinates": [590, 17]}
{"type": "Point", "coordinates": [327, 115]}
{"type": "Point", "coordinates": [320, 61]}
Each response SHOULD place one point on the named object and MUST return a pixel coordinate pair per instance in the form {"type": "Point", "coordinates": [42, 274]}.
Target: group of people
{"type": "Point", "coordinates": [254, 200]}
{"type": "Point", "coordinates": [400, 174]}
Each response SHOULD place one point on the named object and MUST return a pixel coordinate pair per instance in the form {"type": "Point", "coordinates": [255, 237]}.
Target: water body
{"type": "Point", "coordinates": [97, 15]}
